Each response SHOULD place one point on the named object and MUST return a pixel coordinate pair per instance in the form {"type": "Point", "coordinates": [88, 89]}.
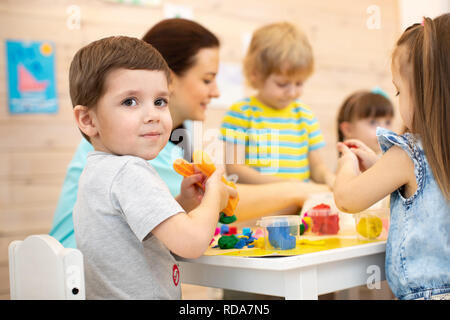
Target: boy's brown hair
{"type": "Point", "coordinates": [425, 64]}
{"type": "Point", "coordinates": [278, 48]}
{"type": "Point", "coordinates": [92, 63]}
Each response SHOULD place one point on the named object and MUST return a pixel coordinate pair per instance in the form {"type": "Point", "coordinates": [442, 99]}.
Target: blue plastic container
{"type": "Point", "coordinates": [280, 232]}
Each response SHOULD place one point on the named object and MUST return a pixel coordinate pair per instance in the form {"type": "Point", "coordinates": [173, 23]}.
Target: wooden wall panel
{"type": "Point", "coordinates": [36, 149]}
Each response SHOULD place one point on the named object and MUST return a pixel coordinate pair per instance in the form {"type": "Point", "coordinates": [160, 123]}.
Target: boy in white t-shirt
{"type": "Point", "coordinates": [126, 221]}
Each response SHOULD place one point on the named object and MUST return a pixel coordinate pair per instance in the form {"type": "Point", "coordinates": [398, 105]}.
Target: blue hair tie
{"type": "Point", "coordinates": [378, 90]}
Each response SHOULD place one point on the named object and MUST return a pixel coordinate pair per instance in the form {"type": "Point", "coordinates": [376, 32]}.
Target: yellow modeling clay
{"type": "Point", "coordinates": [259, 243]}
{"type": "Point", "coordinates": [311, 242]}
{"type": "Point", "coordinates": [369, 227]}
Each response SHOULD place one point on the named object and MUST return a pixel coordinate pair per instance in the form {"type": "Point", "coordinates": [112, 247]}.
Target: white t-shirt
{"type": "Point", "coordinates": [120, 200]}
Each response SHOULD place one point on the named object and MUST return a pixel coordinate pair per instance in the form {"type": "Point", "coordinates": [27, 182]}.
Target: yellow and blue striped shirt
{"type": "Point", "coordinates": [276, 142]}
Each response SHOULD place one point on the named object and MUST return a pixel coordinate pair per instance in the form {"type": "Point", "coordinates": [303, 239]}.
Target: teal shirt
{"type": "Point", "coordinates": [62, 228]}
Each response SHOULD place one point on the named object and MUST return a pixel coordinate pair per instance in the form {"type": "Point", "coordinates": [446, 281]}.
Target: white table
{"type": "Point", "coordinates": [296, 277]}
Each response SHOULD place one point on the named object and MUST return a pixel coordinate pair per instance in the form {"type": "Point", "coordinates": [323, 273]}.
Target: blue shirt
{"type": "Point", "coordinates": [62, 228]}
{"type": "Point", "coordinates": [418, 245]}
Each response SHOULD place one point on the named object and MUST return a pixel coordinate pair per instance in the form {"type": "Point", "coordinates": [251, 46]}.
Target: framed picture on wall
{"type": "Point", "coordinates": [31, 77]}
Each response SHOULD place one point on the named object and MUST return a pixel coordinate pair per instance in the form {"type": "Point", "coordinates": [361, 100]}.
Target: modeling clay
{"type": "Point", "coordinates": [232, 230]}
{"type": "Point", "coordinates": [306, 224]}
{"type": "Point", "coordinates": [311, 242]}
{"type": "Point", "coordinates": [280, 237]}
{"type": "Point", "coordinates": [307, 221]}
{"type": "Point", "coordinates": [258, 233]}
{"type": "Point", "coordinates": [224, 229]}
{"type": "Point", "coordinates": [207, 167]}
{"type": "Point", "coordinates": [302, 228]}
{"type": "Point", "coordinates": [323, 221]}
{"type": "Point", "coordinates": [238, 241]}
{"type": "Point", "coordinates": [322, 206]}
{"type": "Point", "coordinates": [204, 163]}
{"type": "Point", "coordinates": [183, 167]}
{"type": "Point", "coordinates": [240, 244]}
{"type": "Point", "coordinates": [228, 242]}
{"type": "Point", "coordinates": [259, 243]}
{"type": "Point", "coordinates": [226, 219]}
{"type": "Point", "coordinates": [369, 227]}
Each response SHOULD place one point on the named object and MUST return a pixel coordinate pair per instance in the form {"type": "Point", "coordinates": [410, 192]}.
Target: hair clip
{"type": "Point", "coordinates": [378, 90]}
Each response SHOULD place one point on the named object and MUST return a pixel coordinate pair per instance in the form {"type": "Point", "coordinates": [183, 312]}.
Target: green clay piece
{"type": "Point", "coordinates": [228, 242]}
{"type": "Point", "coordinates": [302, 228]}
{"type": "Point", "coordinates": [227, 219]}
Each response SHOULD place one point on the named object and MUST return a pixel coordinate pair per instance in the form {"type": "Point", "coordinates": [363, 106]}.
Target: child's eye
{"type": "Point", "coordinates": [129, 102]}
{"type": "Point", "coordinates": [282, 85]}
{"type": "Point", "coordinates": [398, 92]}
{"type": "Point", "coordinates": [206, 81]}
{"type": "Point", "coordinates": [161, 102]}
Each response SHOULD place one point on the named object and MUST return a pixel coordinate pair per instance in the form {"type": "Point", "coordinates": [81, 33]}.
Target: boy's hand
{"type": "Point", "coordinates": [366, 156]}
{"type": "Point", "coordinates": [191, 194]}
{"type": "Point", "coordinates": [214, 185]}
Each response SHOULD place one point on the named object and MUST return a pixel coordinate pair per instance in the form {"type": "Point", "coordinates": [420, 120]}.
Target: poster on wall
{"type": "Point", "coordinates": [31, 77]}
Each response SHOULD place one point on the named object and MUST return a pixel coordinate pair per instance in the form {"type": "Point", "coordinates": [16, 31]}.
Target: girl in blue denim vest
{"type": "Point", "coordinates": [414, 169]}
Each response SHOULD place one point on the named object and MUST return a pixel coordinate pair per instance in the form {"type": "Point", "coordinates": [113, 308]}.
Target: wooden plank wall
{"type": "Point", "coordinates": [35, 149]}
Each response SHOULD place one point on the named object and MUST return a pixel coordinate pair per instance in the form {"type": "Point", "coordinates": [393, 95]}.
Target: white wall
{"type": "Point", "coordinates": [413, 11]}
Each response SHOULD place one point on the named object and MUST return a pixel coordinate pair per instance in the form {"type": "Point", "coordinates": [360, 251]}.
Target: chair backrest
{"type": "Point", "coordinates": [41, 268]}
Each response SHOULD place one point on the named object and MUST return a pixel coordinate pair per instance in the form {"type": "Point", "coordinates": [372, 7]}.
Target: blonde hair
{"type": "Point", "coordinates": [427, 68]}
{"type": "Point", "coordinates": [279, 48]}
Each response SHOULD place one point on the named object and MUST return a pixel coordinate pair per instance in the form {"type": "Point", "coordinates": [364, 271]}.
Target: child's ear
{"type": "Point", "coordinates": [256, 80]}
{"type": "Point", "coordinates": [85, 120]}
{"type": "Point", "coordinates": [173, 82]}
{"type": "Point", "coordinates": [346, 129]}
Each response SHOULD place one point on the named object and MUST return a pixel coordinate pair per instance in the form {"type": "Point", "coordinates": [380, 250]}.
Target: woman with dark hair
{"type": "Point", "coordinates": [192, 53]}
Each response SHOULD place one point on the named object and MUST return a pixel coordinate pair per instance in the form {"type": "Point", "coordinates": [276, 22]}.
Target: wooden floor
{"type": "Point", "coordinates": [191, 292]}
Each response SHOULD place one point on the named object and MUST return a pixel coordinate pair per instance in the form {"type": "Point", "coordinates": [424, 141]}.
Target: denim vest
{"type": "Point", "coordinates": [418, 245]}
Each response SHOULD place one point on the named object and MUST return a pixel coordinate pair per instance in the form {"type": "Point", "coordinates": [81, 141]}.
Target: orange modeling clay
{"type": "Point", "coordinates": [204, 163]}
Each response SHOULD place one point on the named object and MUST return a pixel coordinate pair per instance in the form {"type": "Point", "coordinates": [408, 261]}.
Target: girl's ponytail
{"type": "Point", "coordinates": [429, 47]}
{"type": "Point", "coordinates": [436, 97]}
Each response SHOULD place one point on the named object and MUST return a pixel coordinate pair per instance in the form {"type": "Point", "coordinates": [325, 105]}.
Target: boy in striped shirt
{"type": "Point", "coordinates": [279, 135]}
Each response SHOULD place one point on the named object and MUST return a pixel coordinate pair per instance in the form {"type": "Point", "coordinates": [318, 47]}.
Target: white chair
{"type": "Point", "coordinates": [40, 268]}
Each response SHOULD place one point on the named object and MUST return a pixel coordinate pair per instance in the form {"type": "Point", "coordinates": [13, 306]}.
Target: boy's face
{"type": "Point", "coordinates": [278, 90]}
{"type": "Point", "coordinates": [132, 117]}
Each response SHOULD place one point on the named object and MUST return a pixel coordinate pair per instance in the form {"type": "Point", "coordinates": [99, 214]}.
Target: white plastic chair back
{"type": "Point", "coordinates": [40, 268]}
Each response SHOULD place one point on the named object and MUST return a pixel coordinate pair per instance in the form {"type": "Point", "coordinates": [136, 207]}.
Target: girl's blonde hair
{"type": "Point", "coordinates": [279, 48]}
{"type": "Point", "coordinates": [427, 68]}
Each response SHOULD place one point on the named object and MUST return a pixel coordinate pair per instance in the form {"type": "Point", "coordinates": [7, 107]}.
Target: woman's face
{"type": "Point", "coordinates": [192, 92]}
